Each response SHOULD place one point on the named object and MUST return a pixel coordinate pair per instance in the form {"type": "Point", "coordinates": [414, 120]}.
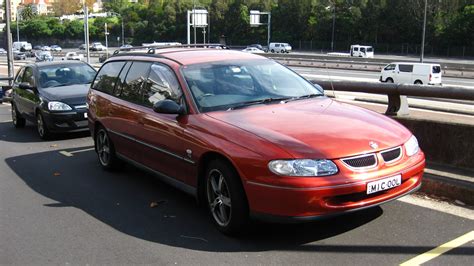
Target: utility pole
{"type": "Point", "coordinates": [423, 37]}
{"type": "Point", "coordinates": [123, 35]}
{"type": "Point", "coordinates": [9, 40]}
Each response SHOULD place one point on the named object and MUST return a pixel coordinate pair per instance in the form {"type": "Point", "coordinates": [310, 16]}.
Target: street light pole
{"type": "Point", "coordinates": [17, 27]}
{"type": "Point", "coordinates": [333, 24]}
{"type": "Point", "coordinates": [423, 37]}
{"type": "Point", "coordinates": [86, 30]}
{"type": "Point", "coordinates": [8, 15]}
{"type": "Point", "coordinates": [123, 35]}
{"type": "Point", "coordinates": [106, 42]}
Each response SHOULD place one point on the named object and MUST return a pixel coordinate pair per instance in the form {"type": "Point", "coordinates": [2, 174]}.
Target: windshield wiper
{"type": "Point", "coordinates": [307, 96]}
{"type": "Point", "coordinates": [261, 101]}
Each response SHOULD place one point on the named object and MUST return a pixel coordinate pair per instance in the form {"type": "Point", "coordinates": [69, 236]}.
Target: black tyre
{"type": "Point", "coordinates": [42, 128]}
{"type": "Point", "coordinates": [17, 120]}
{"type": "Point", "coordinates": [418, 82]}
{"type": "Point", "coordinates": [389, 80]}
{"type": "Point", "coordinates": [273, 51]}
{"type": "Point", "coordinates": [105, 150]}
{"type": "Point", "coordinates": [225, 198]}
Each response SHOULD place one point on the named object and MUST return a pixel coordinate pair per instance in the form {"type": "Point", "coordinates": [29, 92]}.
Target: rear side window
{"type": "Point", "coordinates": [362, 50]}
{"type": "Point", "coordinates": [161, 84]}
{"type": "Point", "coordinates": [277, 45]}
{"type": "Point", "coordinates": [405, 68]}
{"type": "Point", "coordinates": [107, 77]}
{"type": "Point", "coordinates": [136, 77]}
{"type": "Point", "coordinates": [370, 49]}
{"type": "Point", "coordinates": [436, 69]}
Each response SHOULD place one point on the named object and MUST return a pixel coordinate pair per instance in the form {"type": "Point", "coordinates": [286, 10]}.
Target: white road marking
{"type": "Point", "coordinates": [71, 153]}
{"type": "Point", "coordinates": [439, 206]}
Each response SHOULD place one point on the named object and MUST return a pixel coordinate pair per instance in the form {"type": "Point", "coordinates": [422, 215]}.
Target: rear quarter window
{"type": "Point", "coordinates": [107, 77]}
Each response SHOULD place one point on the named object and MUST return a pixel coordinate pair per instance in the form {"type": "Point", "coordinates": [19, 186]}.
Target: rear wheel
{"type": "Point", "coordinates": [17, 120]}
{"type": "Point", "coordinates": [273, 51]}
{"type": "Point", "coordinates": [42, 129]}
{"type": "Point", "coordinates": [418, 82]}
{"type": "Point", "coordinates": [389, 80]}
{"type": "Point", "coordinates": [226, 200]}
{"type": "Point", "coordinates": [105, 150]}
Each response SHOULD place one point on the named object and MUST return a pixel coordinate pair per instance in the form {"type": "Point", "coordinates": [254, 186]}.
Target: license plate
{"type": "Point", "coordinates": [85, 115]}
{"type": "Point", "coordinates": [384, 184]}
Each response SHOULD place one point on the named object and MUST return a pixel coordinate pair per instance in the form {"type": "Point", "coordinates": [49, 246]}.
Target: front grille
{"type": "Point", "coordinates": [363, 161]}
{"type": "Point", "coordinates": [392, 155]}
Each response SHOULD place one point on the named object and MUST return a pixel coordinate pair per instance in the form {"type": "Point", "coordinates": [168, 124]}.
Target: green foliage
{"type": "Point", "coordinates": [449, 22]}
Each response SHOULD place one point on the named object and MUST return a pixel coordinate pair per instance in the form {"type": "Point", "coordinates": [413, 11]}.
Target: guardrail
{"type": "Point", "coordinates": [397, 93]}
{"type": "Point", "coordinates": [448, 71]}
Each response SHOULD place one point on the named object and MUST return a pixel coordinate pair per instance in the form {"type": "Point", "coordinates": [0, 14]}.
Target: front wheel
{"type": "Point", "coordinates": [389, 80]}
{"type": "Point", "coordinates": [226, 200]}
{"type": "Point", "coordinates": [418, 82]}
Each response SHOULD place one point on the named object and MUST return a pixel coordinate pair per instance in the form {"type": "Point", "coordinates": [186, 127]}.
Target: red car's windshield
{"type": "Point", "coordinates": [225, 85]}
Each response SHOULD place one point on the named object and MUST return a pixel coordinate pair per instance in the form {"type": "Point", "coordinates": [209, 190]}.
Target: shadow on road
{"type": "Point", "coordinates": [122, 200]}
{"type": "Point", "coordinates": [29, 134]}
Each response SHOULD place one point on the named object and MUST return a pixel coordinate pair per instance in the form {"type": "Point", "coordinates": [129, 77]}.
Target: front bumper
{"type": "Point", "coordinates": [73, 121]}
{"type": "Point", "coordinates": [280, 203]}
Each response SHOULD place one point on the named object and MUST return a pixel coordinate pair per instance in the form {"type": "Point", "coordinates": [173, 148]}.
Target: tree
{"type": "Point", "coordinates": [27, 12]}
{"type": "Point", "coordinates": [66, 7]}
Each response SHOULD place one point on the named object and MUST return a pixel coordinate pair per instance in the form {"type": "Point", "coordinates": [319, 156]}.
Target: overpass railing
{"type": "Point", "coordinates": [397, 93]}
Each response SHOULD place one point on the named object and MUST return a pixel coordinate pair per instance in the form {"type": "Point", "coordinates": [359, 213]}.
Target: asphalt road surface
{"type": "Point", "coordinates": [57, 206]}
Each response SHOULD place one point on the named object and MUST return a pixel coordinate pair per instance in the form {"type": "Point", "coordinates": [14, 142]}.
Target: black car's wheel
{"type": "Point", "coordinates": [41, 127]}
{"type": "Point", "coordinates": [17, 120]}
{"type": "Point", "coordinates": [105, 150]}
{"type": "Point", "coordinates": [225, 197]}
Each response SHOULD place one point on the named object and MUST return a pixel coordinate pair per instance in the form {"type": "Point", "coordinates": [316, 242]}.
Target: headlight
{"type": "Point", "coordinates": [58, 106]}
{"type": "Point", "coordinates": [411, 146]}
{"type": "Point", "coordinates": [303, 167]}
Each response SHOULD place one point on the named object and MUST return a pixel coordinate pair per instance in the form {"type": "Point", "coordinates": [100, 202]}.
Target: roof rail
{"type": "Point", "coordinates": [152, 48]}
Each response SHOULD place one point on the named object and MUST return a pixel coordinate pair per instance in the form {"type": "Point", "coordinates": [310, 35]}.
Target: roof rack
{"type": "Point", "coordinates": [152, 48]}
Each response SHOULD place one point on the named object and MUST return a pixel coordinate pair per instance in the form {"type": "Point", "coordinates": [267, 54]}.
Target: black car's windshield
{"type": "Point", "coordinates": [230, 85]}
{"type": "Point", "coordinates": [63, 75]}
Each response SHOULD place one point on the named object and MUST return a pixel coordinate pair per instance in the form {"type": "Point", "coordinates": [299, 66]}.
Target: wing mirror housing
{"type": "Point", "coordinates": [168, 107]}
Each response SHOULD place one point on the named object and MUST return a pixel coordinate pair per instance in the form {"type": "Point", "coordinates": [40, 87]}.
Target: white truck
{"type": "Point", "coordinates": [21, 46]}
{"type": "Point", "coordinates": [364, 51]}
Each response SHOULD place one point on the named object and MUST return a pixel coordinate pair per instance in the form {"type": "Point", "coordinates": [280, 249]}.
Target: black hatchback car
{"type": "Point", "coordinates": [53, 96]}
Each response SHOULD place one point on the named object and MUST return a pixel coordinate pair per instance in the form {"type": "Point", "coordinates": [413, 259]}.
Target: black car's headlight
{"type": "Point", "coordinates": [303, 167]}
{"type": "Point", "coordinates": [58, 106]}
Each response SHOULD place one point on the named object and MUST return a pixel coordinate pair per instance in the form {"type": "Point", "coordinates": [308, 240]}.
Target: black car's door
{"type": "Point", "coordinates": [28, 99]}
{"type": "Point", "coordinates": [19, 94]}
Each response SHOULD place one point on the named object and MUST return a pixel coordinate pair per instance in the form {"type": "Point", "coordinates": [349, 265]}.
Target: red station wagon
{"type": "Point", "coordinates": [247, 136]}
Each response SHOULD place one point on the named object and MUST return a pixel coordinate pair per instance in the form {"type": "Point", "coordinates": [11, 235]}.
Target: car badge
{"type": "Point", "coordinates": [373, 145]}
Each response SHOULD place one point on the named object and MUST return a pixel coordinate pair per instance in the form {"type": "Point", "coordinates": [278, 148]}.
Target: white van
{"type": "Point", "coordinates": [362, 51]}
{"type": "Point", "coordinates": [279, 47]}
{"type": "Point", "coordinates": [19, 45]}
{"type": "Point", "coordinates": [411, 73]}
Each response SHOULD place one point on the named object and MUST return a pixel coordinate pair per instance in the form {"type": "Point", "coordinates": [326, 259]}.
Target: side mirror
{"type": "Point", "coordinates": [26, 86]}
{"type": "Point", "coordinates": [168, 107]}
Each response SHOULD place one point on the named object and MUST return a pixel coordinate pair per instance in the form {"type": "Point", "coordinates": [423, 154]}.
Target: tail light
{"type": "Point", "coordinates": [430, 77]}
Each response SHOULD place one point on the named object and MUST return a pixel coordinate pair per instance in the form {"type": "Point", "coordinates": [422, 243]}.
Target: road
{"type": "Point", "coordinates": [57, 206]}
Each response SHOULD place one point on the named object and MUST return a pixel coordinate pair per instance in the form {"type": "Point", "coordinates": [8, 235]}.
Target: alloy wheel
{"type": "Point", "coordinates": [14, 117]}
{"type": "Point", "coordinates": [218, 196]}
{"type": "Point", "coordinates": [40, 125]}
{"type": "Point", "coordinates": [103, 147]}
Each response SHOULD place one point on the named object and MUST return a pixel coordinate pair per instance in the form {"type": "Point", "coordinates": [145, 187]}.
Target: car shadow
{"type": "Point", "coordinates": [29, 134]}
{"type": "Point", "coordinates": [138, 204]}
